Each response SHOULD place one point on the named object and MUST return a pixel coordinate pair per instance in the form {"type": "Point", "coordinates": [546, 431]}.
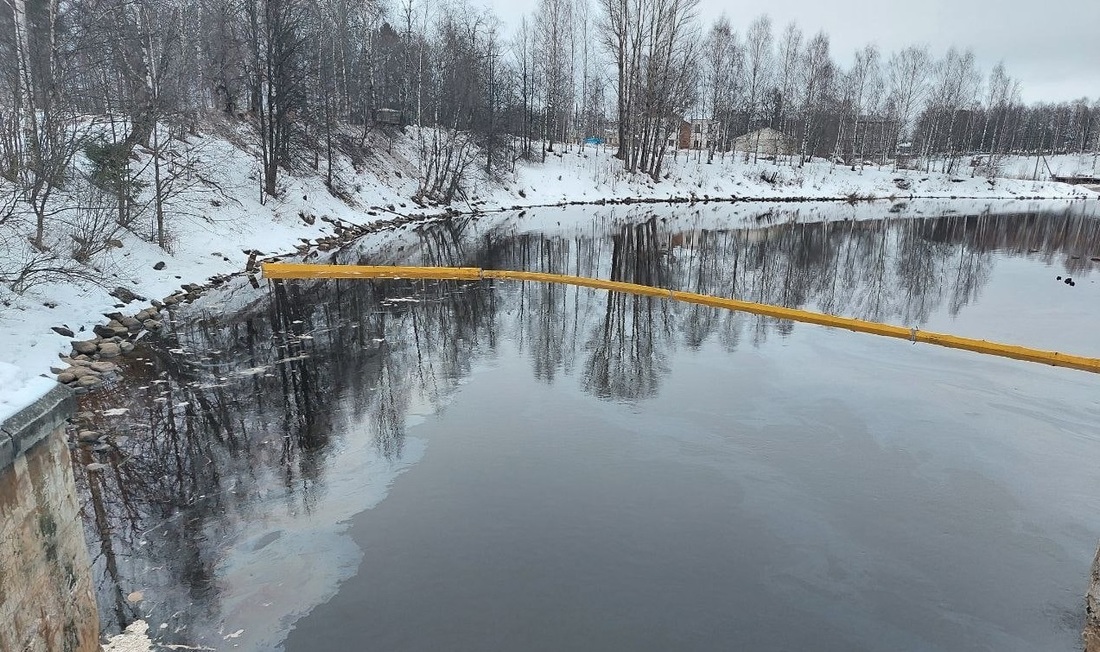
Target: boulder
{"type": "Point", "coordinates": [88, 381]}
{"type": "Point", "coordinates": [63, 332]}
{"type": "Point", "coordinates": [87, 347]}
{"type": "Point", "coordinates": [80, 372]}
{"type": "Point", "coordinates": [160, 265]}
{"type": "Point", "coordinates": [65, 377]}
{"type": "Point", "coordinates": [88, 437]}
{"type": "Point", "coordinates": [104, 330]}
{"type": "Point", "coordinates": [151, 325]}
{"type": "Point", "coordinates": [126, 296]}
{"type": "Point", "coordinates": [126, 347]}
{"type": "Point", "coordinates": [132, 325]}
{"type": "Point", "coordinates": [110, 350]}
{"type": "Point", "coordinates": [117, 327]}
{"type": "Point", "coordinates": [103, 367]}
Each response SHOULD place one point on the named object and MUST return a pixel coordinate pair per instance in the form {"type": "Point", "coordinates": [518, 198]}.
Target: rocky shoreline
{"type": "Point", "coordinates": [90, 362]}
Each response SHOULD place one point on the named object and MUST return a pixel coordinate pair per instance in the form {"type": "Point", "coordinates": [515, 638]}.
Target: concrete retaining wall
{"type": "Point", "coordinates": [47, 602]}
{"type": "Point", "coordinates": [33, 424]}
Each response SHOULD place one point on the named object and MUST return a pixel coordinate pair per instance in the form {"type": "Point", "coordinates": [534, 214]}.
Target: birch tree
{"type": "Point", "coordinates": [722, 63]}
{"type": "Point", "coordinates": [907, 87]}
{"type": "Point", "coordinates": [757, 70]}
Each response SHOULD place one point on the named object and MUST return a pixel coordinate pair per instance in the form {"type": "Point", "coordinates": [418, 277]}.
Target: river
{"type": "Point", "coordinates": [409, 465]}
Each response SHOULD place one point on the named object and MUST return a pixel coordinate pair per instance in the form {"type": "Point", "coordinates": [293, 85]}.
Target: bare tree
{"type": "Point", "coordinates": [789, 61]}
{"type": "Point", "coordinates": [553, 38]}
{"type": "Point", "coordinates": [722, 62]}
{"type": "Point", "coordinates": [907, 83]}
{"type": "Point", "coordinates": [653, 43]}
{"type": "Point", "coordinates": [818, 72]}
{"type": "Point", "coordinates": [758, 70]}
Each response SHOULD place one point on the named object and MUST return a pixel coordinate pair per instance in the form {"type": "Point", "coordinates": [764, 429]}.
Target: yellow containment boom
{"type": "Point", "coordinates": [307, 271]}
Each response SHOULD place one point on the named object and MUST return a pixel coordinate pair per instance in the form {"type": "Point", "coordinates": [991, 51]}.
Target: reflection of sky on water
{"type": "Point", "coordinates": [247, 457]}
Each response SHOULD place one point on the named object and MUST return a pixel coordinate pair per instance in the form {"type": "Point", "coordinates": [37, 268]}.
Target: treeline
{"type": "Point", "coordinates": [907, 104]}
{"type": "Point", "coordinates": [118, 85]}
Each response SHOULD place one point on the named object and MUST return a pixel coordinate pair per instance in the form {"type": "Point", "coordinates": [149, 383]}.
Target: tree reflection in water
{"type": "Point", "coordinates": [236, 406]}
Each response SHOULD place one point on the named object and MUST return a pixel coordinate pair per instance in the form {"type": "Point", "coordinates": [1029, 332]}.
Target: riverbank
{"type": "Point", "coordinates": [221, 226]}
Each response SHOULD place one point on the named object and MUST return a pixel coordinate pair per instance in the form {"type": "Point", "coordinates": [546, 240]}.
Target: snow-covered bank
{"type": "Point", "coordinates": [593, 174]}
{"type": "Point", "coordinates": [214, 225]}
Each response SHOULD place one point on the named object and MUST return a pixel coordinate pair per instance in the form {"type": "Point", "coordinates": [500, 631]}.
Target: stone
{"type": "Point", "coordinates": [151, 325]}
{"type": "Point", "coordinates": [126, 296]}
{"type": "Point", "coordinates": [157, 304]}
{"type": "Point", "coordinates": [65, 378]}
{"type": "Point", "coordinates": [160, 265]}
{"type": "Point", "coordinates": [103, 367]}
{"type": "Point", "coordinates": [88, 437]}
{"type": "Point", "coordinates": [110, 350]}
{"type": "Point", "coordinates": [86, 347]}
{"type": "Point", "coordinates": [135, 597]}
{"type": "Point", "coordinates": [88, 381]}
{"type": "Point", "coordinates": [126, 347]}
{"type": "Point", "coordinates": [63, 332]}
{"type": "Point", "coordinates": [171, 300]}
{"type": "Point", "coordinates": [103, 330]}
{"type": "Point", "coordinates": [96, 466]}
{"type": "Point", "coordinates": [80, 372]}
{"type": "Point", "coordinates": [132, 325]}
{"type": "Point", "coordinates": [117, 327]}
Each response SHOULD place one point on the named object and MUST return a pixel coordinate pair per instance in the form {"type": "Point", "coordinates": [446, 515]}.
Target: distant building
{"type": "Point", "coordinates": [387, 116]}
{"type": "Point", "coordinates": [705, 133]}
{"type": "Point", "coordinates": [765, 142]}
{"type": "Point", "coordinates": [870, 138]}
{"type": "Point", "coordinates": [680, 138]}
{"type": "Point", "coordinates": [695, 134]}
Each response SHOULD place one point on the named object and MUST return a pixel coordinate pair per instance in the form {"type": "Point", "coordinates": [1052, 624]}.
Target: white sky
{"type": "Point", "coordinates": [1051, 46]}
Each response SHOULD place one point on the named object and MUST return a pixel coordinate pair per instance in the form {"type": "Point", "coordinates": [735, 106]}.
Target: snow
{"type": "Point", "coordinates": [1062, 165]}
{"type": "Point", "coordinates": [214, 223]}
{"type": "Point", "coordinates": [18, 389]}
{"type": "Point", "coordinates": [134, 639]}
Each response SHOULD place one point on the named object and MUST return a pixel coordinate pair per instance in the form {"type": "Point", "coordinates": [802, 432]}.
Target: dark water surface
{"type": "Point", "coordinates": [477, 466]}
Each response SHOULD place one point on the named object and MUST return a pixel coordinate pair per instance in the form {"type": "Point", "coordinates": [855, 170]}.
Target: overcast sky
{"type": "Point", "coordinates": [1051, 46]}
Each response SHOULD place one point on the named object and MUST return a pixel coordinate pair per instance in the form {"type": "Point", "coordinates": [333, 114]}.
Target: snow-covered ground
{"type": "Point", "coordinates": [592, 174]}
{"type": "Point", "coordinates": [1062, 165]}
{"type": "Point", "coordinates": [213, 224]}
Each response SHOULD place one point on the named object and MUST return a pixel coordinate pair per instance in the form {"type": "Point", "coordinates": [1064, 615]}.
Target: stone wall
{"type": "Point", "coordinates": [46, 597]}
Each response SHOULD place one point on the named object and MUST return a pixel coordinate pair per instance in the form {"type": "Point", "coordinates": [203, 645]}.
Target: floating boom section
{"type": "Point", "coordinates": [308, 271]}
